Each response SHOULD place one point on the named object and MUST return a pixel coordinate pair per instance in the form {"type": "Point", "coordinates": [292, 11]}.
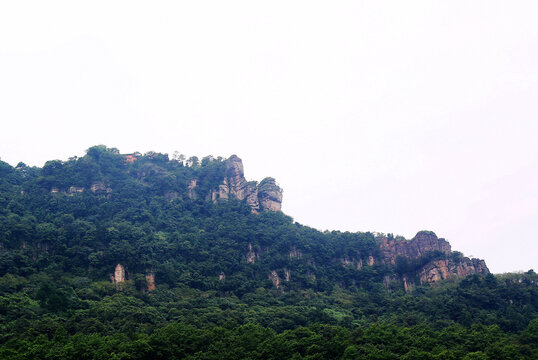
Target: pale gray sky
{"type": "Point", "coordinates": [389, 116]}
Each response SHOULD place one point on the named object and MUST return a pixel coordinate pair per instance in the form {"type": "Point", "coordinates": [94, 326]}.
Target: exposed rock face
{"type": "Point", "coordinates": [422, 244]}
{"type": "Point", "coordinates": [408, 286]}
{"type": "Point", "coordinates": [252, 197]}
{"type": "Point", "coordinates": [213, 196]}
{"type": "Point", "coordinates": [295, 253]}
{"type": "Point", "coordinates": [235, 176]}
{"type": "Point", "coordinates": [447, 268]}
{"type": "Point", "coordinates": [270, 195]}
{"type": "Point", "coordinates": [222, 276]}
{"type": "Point", "coordinates": [75, 189]}
{"type": "Point", "coordinates": [119, 274]}
{"type": "Point", "coordinates": [265, 196]}
{"type": "Point", "coordinates": [425, 259]}
{"type": "Point", "coordinates": [100, 187]}
{"type": "Point", "coordinates": [273, 276]}
{"type": "Point", "coordinates": [287, 275]}
{"type": "Point", "coordinates": [224, 190]}
{"type": "Point", "coordinates": [235, 185]}
{"type": "Point", "coordinates": [150, 281]}
{"type": "Point", "coordinates": [192, 189]}
{"type": "Point", "coordinates": [251, 255]}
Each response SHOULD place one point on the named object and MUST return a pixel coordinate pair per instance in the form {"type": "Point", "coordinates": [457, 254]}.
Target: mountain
{"type": "Point", "coordinates": [111, 244]}
{"type": "Point", "coordinates": [102, 192]}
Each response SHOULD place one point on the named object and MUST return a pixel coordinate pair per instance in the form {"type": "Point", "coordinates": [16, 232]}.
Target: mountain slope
{"type": "Point", "coordinates": [135, 254]}
{"type": "Point", "coordinates": [156, 217]}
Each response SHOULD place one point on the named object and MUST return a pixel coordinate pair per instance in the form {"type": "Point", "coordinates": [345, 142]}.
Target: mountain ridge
{"type": "Point", "coordinates": [104, 176]}
{"type": "Point", "coordinates": [138, 256]}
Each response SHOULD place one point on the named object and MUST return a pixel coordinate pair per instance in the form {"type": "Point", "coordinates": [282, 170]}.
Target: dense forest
{"type": "Point", "coordinates": [205, 279]}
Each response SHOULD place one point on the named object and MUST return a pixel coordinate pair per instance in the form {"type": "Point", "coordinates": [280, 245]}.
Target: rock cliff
{"type": "Point", "coordinates": [266, 195]}
{"type": "Point", "coordinates": [427, 258]}
{"type": "Point", "coordinates": [235, 178]}
{"type": "Point", "coordinates": [443, 269]}
{"type": "Point", "coordinates": [269, 195]}
{"type": "Point", "coordinates": [423, 243]}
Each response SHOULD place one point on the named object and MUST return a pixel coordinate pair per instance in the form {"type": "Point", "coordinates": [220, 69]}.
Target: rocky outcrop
{"type": "Point", "coordinates": [269, 195]}
{"type": "Point", "coordinates": [150, 281]}
{"type": "Point", "coordinates": [99, 188]}
{"type": "Point", "coordinates": [74, 190]}
{"type": "Point", "coordinates": [422, 244]}
{"type": "Point", "coordinates": [448, 268]}
{"type": "Point", "coordinates": [222, 276]}
{"type": "Point", "coordinates": [224, 190]}
{"type": "Point", "coordinates": [425, 259]}
{"type": "Point", "coordinates": [275, 279]}
{"type": "Point", "coordinates": [432, 255]}
{"type": "Point", "coordinates": [408, 285]}
{"type": "Point", "coordinates": [265, 196]}
{"type": "Point", "coordinates": [234, 177]}
{"type": "Point", "coordinates": [251, 255]}
{"type": "Point", "coordinates": [287, 275]}
{"type": "Point", "coordinates": [119, 274]}
{"type": "Point", "coordinates": [252, 197]}
{"type": "Point", "coordinates": [191, 189]}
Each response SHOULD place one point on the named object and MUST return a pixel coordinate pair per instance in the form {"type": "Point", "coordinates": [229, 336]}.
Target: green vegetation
{"type": "Point", "coordinates": [59, 247]}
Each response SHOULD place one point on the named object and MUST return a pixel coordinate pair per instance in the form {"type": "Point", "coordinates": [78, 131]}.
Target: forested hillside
{"type": "Point", "coordinates": [146, 257]}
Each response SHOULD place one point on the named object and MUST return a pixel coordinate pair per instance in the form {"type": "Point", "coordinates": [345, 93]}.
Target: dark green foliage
{"type": "Point", "coordinates": [58, 250]}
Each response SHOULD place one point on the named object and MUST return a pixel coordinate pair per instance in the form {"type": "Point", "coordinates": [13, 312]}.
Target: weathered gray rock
{"type": "Point", "coordinates": [423, 243]}
{"type": "Point", "coordinates": [269, 195]}
{"type": "Point", "coordinates": [235, 176]}
{"type": "Point", "coordinates": [265, 196]}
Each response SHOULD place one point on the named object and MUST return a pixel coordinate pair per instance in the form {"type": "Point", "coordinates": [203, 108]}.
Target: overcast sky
{"type": "Point", "coordinates": [388, 116]}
